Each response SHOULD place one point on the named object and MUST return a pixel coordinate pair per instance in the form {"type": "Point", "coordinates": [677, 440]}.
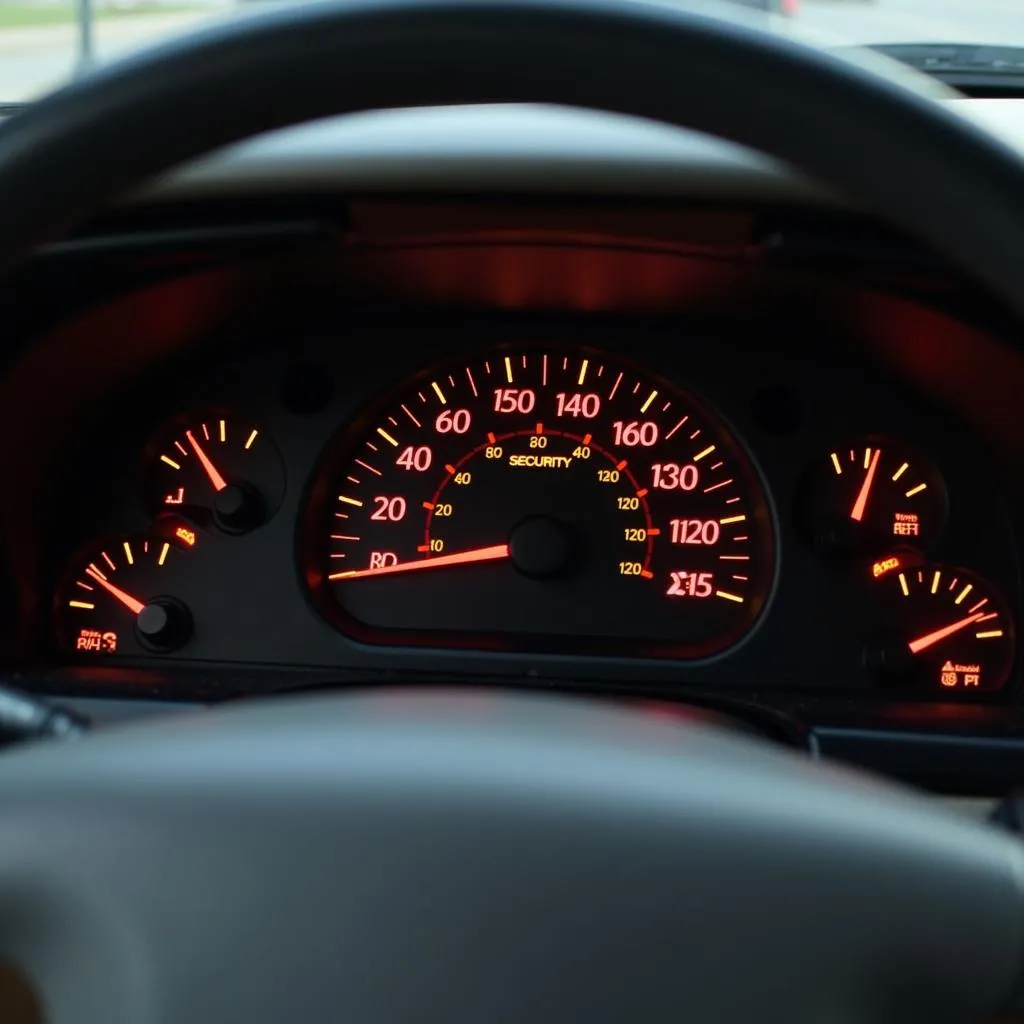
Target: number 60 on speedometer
{"type": "Point", "coordinates": [545, 500]}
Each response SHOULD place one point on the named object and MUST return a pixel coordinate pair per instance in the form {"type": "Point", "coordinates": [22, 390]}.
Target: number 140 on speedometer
{"type": "Point", "coordinates": [542, 499]}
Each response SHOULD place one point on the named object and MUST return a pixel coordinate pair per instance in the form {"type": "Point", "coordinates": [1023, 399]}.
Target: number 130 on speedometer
{"type": "Point", "coordinates": [542, 500]}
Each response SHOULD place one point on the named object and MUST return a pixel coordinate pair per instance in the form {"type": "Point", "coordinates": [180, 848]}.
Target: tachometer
{"type": "Point", "coordinates": [561, 498]}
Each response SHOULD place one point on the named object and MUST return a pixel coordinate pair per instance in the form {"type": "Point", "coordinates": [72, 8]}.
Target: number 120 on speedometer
{"type": "Point", "coordinates": [543, 500]}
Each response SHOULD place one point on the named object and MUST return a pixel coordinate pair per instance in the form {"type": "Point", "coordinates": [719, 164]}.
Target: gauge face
{"type": "Point", "coordinates": [215, 471]}
{"type": "Point", "coordinates": [117, 597]}
{"type": "Point", "coordinates": [946, 629]}
{"type": "Point", "coordinates": [550, 497]}
{"type": "Point", "coordinates": [871, 494]}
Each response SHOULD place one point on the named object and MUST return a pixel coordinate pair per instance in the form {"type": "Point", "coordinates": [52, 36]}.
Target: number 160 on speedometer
{"type": "Point", "coordinates": [541, 499]}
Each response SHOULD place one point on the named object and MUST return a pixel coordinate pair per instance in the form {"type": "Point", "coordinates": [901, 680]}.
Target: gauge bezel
{"type": "Point", "coordinates": [343, 443]}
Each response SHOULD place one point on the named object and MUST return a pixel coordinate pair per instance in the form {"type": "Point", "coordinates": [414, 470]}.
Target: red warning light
{"type": "Point", "coordinates": [186, 535]}
{"type": "Point", "coordinates": [880, 568]}
{"type": "Point", "coordinates": [906, 524]}
{"type": "Point", "coordinates": [96, 642]}
{"type": "Point", "coordinates": [953, 674]}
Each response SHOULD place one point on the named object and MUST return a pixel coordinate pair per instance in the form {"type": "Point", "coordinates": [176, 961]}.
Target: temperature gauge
{"type": "Point", "coordinates": [871, 495]}
{"type": "Point", "coordinates": [215, 471]}
{"type": "Point", "coordinates": [118, 596]}
{"type": "Point", "coordinates": [946, 629]}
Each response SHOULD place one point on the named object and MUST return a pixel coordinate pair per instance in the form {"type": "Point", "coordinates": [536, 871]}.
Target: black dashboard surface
{"type": "Point", "coordinates": [821, 349]}
{"type": "Point", "coordinates": [249, 594]}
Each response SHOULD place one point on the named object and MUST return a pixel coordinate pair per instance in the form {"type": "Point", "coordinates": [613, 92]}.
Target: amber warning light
{"type": "Point", "coordinates": [884, 565]}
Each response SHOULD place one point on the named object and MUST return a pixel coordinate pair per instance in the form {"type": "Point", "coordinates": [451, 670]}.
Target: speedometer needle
{"type": "Point", "coordinates": [133, 604]}
{"type": "Point", "coordinates": [219, 483]}
{"type": "Point", "coordinates": [918, 645]}
{"type": "Point", "coordinates": [490, 554]}
{"type": "Point", "coordinates": [860, 504]}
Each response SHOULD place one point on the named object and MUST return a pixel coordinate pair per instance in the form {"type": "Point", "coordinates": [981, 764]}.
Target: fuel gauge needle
{"type": "Point", "coordinates": [857, 512]}
{"type": "Point", "coordinates": [923, 642]}
{"type": "Point", "coordinates": [219, 483]}
{"type": "Point", "coordinates": [133, 604]}
{"type": "Point", "coordinates": [489, 554]}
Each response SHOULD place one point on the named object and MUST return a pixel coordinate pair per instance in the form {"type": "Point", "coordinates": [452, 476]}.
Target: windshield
{"type": "Point", "coordinates": [43, 43]}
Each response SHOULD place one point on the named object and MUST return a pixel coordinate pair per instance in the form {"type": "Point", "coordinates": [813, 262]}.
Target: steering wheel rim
{"type": "Point", "coordinates": [112, 846]}
{"type": "Point", "coordinates": [897, 152]}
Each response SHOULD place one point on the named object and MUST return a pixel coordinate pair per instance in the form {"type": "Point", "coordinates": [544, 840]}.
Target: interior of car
{"type": "Point", "coordinates": [312, 709]}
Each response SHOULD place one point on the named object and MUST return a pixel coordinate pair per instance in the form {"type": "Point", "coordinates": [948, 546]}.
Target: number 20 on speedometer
{"type": "Point", "coordinates": [542, 500]}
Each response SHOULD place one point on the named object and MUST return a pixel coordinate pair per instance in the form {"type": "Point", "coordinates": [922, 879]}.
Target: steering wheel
{"type": "Point", "coordinates": [396, 857]}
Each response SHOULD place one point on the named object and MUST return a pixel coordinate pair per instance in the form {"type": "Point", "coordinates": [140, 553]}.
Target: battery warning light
{"type": "Point", "coordinates": [880, 568]}
{"type": "Point", "coordinates": [96, 642]}
{"type": "Point", "coordinates": [953, 675]}
{"type": "Point", "coordinates": [906, 524]}
{"type": "Point", "coordinates": [186, 536]}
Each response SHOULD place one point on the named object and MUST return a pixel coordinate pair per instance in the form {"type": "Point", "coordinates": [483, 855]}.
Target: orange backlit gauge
{"type": "Point", "coordinates": [545, 499]}
{"type": "Point", "coordinates": [944, 629]}
{"type": "Point", "coordinates": [872, 494]}
{"type": "Point", "coordinates": [216, 471]}
{"type": "Point", "coordinates": [117, 598]}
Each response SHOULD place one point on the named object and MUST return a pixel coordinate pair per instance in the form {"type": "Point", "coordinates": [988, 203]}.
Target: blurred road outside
{"type": "Point", "coordinates": [38, 38]}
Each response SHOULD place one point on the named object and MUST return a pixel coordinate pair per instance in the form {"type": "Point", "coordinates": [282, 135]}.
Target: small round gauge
{"type": "Point", "coordinates": [553, 497]}
{"type": "Point", "coordinates": [945, 629]}
{"type": "Point", "coordinates": [872, 494]}
{"type": "Point", "coordinates": [215, 471]}
{"type": "Point", "coordinates": [117, 597]}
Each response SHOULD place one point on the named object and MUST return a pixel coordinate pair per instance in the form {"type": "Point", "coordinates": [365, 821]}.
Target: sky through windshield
{"type": "Point", "coordinates": [43, 42]}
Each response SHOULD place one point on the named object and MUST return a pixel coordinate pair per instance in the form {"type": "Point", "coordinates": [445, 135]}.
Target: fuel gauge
{"type": "Point", "coordinates": [216, 471]}
{"type": "Point", "coordinates": [872, 494]}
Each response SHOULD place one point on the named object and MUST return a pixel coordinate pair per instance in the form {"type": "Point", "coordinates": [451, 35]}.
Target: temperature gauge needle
{"type": "Point", "coordinates": [219, 483]}
{"type": "Point", "coordinates": [133, 604]}
{"type": "Point", "coordinates": [857, 512]}
{"type": "Point", "coordinates": [923, 642]}
{"type": "Point", "coordinates": [490, 554]}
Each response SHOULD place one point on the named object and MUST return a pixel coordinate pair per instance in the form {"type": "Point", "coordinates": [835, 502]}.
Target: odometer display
{"type": "Point", "coordinates": [543, 500]}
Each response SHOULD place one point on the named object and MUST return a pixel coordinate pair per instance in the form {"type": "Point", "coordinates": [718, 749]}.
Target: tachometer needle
{"type": "Point", "coordinates": [133, 604]}
{"type": "Point", "coordinates": [490, 554]}
{"type": "Point", "coordinates": [918, 645]}
{"type": "Point", "coordinates": [219, 483]}
{"type": "Point", "coordinates": [860, 504]}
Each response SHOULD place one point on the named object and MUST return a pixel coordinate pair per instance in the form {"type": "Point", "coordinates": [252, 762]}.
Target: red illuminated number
{"type": "Point", "coordinates": [415, 458]}
{"type": "Point", "coordinates": [514, 400]}
{"type": "Point", "coordinates": [587, 406]}
{"type": "Point", "coordinates": [378, 559]}
{"type": "Point", "coordinates": [670, 475]}
{"type": "Point", "coordinates": [695, 531]}
{"type": "Point", "coordinates": [452, 421]}
{"type": "Point", "coordinates": [689, 584]}
{"type": "Point", "coordinates": [632, 434]}
{"type": "Point", "coordinates": [388, 510]}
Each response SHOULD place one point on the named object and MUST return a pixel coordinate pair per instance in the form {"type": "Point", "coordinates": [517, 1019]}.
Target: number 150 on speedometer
{"type": "Point", "coordinates": [545, 500]}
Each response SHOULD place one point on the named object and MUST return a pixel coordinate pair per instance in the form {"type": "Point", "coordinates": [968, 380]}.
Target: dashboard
{"type": "Point", "coordinates": [756, 454]}
{"type": "Point", "coordinates": [532, 496]}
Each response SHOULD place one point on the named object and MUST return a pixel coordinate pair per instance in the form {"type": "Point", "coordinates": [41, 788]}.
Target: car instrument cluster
{"type": "Point", "coordinates": [520, 504]}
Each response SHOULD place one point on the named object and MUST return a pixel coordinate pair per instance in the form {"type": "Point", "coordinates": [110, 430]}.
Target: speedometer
{"type": "Point", "coordinates": [543, 500]}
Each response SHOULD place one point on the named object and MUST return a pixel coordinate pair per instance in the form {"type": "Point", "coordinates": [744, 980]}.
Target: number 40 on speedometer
{"type": "Point", "coordinates": [542, 500]}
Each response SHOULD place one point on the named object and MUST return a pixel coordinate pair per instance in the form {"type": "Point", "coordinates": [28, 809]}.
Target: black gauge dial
{"type": "Point", "coordinates": [550, 495]}
{"type": "Point", "coordinates": [219, 472]}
